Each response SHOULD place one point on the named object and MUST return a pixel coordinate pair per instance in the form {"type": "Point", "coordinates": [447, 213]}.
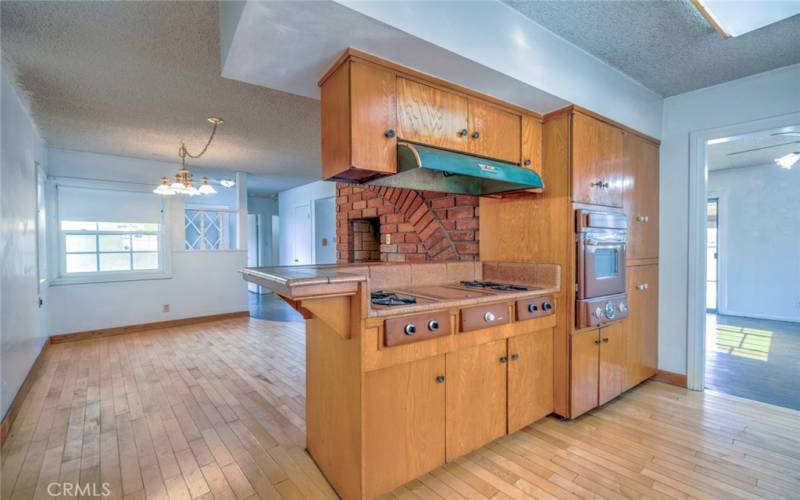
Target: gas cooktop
{"type": "Point", "coordinates": [503, 287]}
{"type": "Point", "coordinates": [382, 298]}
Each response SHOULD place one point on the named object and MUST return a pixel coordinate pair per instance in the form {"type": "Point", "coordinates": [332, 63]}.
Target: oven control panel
{"type": "Point", "coordinates": [535, 307]}
{"type": "Point", "coordinates": [599, 310]}
{"type": "Point", "coordinates": [407, 329]}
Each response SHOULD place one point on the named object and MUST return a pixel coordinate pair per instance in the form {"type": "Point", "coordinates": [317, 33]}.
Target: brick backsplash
{"type": "Point", "coordinates": [423, 225]}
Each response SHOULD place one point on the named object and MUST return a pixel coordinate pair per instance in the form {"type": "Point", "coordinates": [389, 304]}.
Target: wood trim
{"type": "Point", "coordinates": [121, 330]}
{"type": "Point", "coordinates": [710, 18]}
{"type": "Point", "coordinates": [672, 378]}
{"type": "Point", "coordinates": [574, 108]}
{"type": "Point", "coordinates": [427, 78]}
{"type": "Point", "coordinates": [16, 404]}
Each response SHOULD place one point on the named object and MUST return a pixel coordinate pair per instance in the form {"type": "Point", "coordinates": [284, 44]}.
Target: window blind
{"type": "Point", "coordinates": [108, 205]}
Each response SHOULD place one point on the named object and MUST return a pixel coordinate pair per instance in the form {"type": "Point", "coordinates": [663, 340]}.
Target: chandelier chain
{"type": "Point", "coordinates": [183, 152]}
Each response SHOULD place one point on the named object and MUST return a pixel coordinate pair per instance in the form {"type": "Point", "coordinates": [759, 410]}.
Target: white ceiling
{"type": "Point", "coordinates": [754, 149]}
{"type": "Point", "coordinates": [136, 78]}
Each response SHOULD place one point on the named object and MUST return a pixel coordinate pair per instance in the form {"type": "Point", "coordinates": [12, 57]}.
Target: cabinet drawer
{"type": "Point", "coordinates": [534, 308]}
{"type": "Point", "coordinates": [476, 318]}
{"type": "Point", "coordinates": [415, 328]}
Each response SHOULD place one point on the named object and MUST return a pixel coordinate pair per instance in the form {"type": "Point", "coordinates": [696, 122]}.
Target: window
{"type": "Point", "coordinates": [209, 229]}
{"type": "Point", "coordinates": [108, 234]}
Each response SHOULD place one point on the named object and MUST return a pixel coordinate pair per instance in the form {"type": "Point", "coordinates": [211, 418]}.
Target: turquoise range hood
{"type": "Point", "coordinates": [424, 168]}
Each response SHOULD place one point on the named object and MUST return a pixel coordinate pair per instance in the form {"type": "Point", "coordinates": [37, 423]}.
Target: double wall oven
{"type": "Point", "coordinates": [601, 241]}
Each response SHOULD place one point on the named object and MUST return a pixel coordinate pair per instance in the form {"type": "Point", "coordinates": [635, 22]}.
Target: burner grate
{"type": "Point", "coordinates": [494, 286]}
{"type": "Point", "coordinates": [381, 298]}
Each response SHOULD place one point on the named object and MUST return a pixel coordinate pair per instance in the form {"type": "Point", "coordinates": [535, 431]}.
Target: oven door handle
{"type": "Point", "coordinates": [599, 243]}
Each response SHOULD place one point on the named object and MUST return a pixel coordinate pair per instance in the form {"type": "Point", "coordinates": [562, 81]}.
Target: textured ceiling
{"type": "Point", "coordinates": [137, 78]}
{"type": "Point", "coordinates": [754, 149]}
{"type": "Point", "coordinates": [666, 45]}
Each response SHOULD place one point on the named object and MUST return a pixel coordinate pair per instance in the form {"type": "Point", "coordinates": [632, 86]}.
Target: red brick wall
{"type": "Point", "coordinates": [423, 225]}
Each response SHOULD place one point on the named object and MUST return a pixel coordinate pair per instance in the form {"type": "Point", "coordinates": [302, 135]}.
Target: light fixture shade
{"type": "Point", "coordinates": [228, 183]}
{"type": "Point", "coordinates": [164, 188]}
{"type": "Point", "coordinates": [206, 188]}
{"type": "Point", "coordinates": [192, 191]}
{"type": "Point", "coordinates": [788, 161]}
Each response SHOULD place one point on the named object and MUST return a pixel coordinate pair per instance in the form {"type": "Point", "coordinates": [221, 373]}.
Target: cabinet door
{"type": "Point", "coordinates": [532, 143]}
{"type": "Point", "coordinates": [404, 423]}
{"type": "Point", "coordinates": [584, 372]}
{"type": "Point", "coordinates": [641, 325]}
{"type": "Point", "coordinates": [640, 198]}
{"type": "Point", "coordinates": [530, 378]}
{"type": "Point", "coordinates": [431, 116]}
{"type": "Point", "coordinates": [613, 356]}
{"type": "Point", "coordinates": [476, 397]}
{"type": "Point", "coordinates": [494, 132]}
{"type": "Point", "coordinates": [596, 162]}
{"type": "Point", "coordinates": [373, 113]}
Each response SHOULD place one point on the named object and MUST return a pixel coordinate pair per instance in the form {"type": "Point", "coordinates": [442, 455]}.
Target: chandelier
{"type": "Point", "coordinates": [183, 182]}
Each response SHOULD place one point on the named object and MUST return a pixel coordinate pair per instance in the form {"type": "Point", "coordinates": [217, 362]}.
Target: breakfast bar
{"type": "Point", "coordinates": [412, 365]}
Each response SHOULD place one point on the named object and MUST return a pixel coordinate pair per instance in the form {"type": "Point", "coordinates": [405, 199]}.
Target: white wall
{"type": "Point", "coordinates": [756, 97]}
{"type": "Point", "coordinates": [22, 322]}
{"type": "Point", "coordinates": [759, 242]}
{"type": "Point", "coordinates": [202, 283]}
{"type": "Point", "coordinates": [287, 201]}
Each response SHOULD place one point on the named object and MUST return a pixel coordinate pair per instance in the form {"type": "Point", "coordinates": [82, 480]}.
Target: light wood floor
{"type": "Point", "coordinates": [217, 410]}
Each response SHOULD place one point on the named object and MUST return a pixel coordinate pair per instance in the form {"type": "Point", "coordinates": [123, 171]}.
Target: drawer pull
{"type": "Point", "coordinates": [433, 325]}
{"type": "Point", "coordinates": [410, 329]}
{"type": "Point", "coordinates": [440, 379]}
{"type": "Point", "coordinates": [504, 359]}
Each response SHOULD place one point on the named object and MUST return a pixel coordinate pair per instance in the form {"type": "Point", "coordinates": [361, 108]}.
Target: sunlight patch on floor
{"type": "Point", "coordinates": [751, 343]}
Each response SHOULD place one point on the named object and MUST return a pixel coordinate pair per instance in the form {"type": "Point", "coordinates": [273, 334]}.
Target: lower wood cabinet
{"type": "Point", "coordinates": [476, 397]}
{"type": "Point", "coordinates": [530, 378]}
{"type": "Point", "coordinates": [641, 325]}
{"type": "Point", "coordinates": [598, 368]}
{"type": "Point", "coordinates": [404, 428]}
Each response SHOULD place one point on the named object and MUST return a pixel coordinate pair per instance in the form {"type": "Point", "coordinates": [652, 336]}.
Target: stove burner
{"type": "Point", "coordinates": [381, 298]}
{"type": "Point", "coordinates": [494, 286]}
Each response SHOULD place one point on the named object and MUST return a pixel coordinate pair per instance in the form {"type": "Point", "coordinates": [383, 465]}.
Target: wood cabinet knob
{"type": "Point", "coordinates": [597, 341]}
{"type": "Point", "coordinates": [526, 163]}
{"type": "Point", "coordinates": [515, 357]}
{"type": "Point", "coordinates": [605, 340]}
{"type": "Point", "coordinates": [476, 134]}
{"type": "Point", "coordinates": [463, 132]}
{"type": "Point", "coordinates": [389, 133]}
{"type": "Point", "coordinates": [504, 359]}
{"type": "Point", "coordinates": [440, 379]}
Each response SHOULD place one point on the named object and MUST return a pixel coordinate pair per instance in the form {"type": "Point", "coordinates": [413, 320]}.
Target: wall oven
{"type": "Point", "coordinates": [601, 243]}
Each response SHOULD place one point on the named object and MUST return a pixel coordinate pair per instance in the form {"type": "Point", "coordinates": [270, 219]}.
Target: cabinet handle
{"type": "Point", "coordinates": [515, 357]}
{"type": "Point", "coordinates": [642, 286]}
{"type": "Point", "coordinates": [605, 340]}
{"type": "Point", "coordinates": [526, 163]}
{"type": "Point", "coordinates": [476, 134]}
{"type": "Point", "coordinates": [389, 133]}
{"type": "Point", "coordinates": [605, 185]}
{"type": "Point", "coordinates": [504, 359]}
{"type": "Point", "coordinates": [463, 132]}
{"type": "Point", "coordinates": [643, 218]}
{"type": "Point", "coordinates": [597, 341]}
{"type": "Point", "coordinates": [599, 184]}
{"type": "Point", "coordinates": [440, 379]}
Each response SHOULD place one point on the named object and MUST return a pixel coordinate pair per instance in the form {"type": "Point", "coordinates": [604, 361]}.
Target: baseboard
{"type": "Point", "coordinates": [672, 378]}
{"type": "Point", "coordinates": [121, 330]}
{"type": "Point", "coordinates": [16, 404]}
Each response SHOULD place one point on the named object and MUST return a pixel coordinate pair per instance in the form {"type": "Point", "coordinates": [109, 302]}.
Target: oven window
{"type": "Point", "coordinates": [605, 263]}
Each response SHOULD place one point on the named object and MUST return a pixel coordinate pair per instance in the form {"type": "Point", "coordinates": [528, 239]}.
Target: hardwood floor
{"type": "Point", "coordinates": [217, 411]}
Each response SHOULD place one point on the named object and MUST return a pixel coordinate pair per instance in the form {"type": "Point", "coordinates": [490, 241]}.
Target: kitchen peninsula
{"type": "Point", "coordinates": [412, 365]}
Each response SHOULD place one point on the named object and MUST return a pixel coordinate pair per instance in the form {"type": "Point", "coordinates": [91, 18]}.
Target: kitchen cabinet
{"type": "Point", "coordinates": [530, 378]}
{"type": "Point", "coordinates": [641, 325]}
{"type": "Point", "coordinates": [494, 132]}
{"type": "Point", "coordinates": [531, 146]}
{"type": "Point", "coordinates": [404, 413]}
{"type": "Point", "coordinates": [431, 116]}
{"type": "Point", "coordinates": [598, 368]}
{"type": "Point", "coordinates": [476, 397]}
{"type": "Point", "coordinates": [359, 121]}
{"type": "Point", "coordinates": [640, 197]}
{"type": "Point", "coordinates": [597, 172]}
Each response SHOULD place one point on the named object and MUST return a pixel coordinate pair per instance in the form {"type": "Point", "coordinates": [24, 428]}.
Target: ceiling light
{"type": "Point", "coordinates": [228, 183]}
{"type": "Point", "coordinates": [206, 188]}
{"type": "Point", "coordinates": [184, 184]}
{"type": "Point", "coordinates": [788, 161]}
{"type": "Point", "coordinates": [740, 17]}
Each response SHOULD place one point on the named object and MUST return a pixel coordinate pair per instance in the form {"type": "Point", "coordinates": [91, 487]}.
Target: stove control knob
{"type": "Point", "coordinates": [611, 311]}
{"type": "Point", "coordinates": [623, 308]}
{"type": "Point", "coordinates": [489, 317]}
{"type": "Point", "coordinates": [410, 329]}
{"type": "Point", "coordinates": [547, 306]}
{"type": "Point", "coordinates": [598, 313]}
{"type": "Point", "coordinates": [433, 325]}
{"type": "Point", "coordinates": [533, 308]}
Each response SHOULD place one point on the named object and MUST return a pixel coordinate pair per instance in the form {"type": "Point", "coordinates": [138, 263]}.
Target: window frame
{"type": "Point", "coordinates": [232, 213]}
{"type": "Point", "coordinates": [164, 250]}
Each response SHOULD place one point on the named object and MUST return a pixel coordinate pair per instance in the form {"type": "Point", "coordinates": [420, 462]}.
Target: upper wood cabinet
{"type": "Point", "coordinates": [359, 116]}
{"type": "Point", "coordinates": [640, 198]}
{"type": "Point", "coordinates": [597, 172]}
{"type": "Point", "coordinates": [404, 428]}
{"type": "Point", "coordinates": [431, 116]}
{"type": "Point", "coordinates": [641, 325]}
{"type": "Point", "coordinates": [532, 143]}
{"type": "Point", "coordinates": [494, 132]}
{"type": "Point", "coordinates": [476, 397]}
{"type": "Point", "coordinates": [530, 378]}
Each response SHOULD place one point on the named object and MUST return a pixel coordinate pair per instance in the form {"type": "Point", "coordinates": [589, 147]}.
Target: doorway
{"type": "Point", "coordinates": [712, 254]}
